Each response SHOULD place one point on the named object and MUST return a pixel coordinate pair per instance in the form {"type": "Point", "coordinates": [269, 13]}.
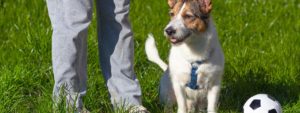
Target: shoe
{"type": "Point", "coordinates": [138, 109]}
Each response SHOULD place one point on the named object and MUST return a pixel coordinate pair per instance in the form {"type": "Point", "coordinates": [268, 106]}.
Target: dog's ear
{"type": "Point", "coordinates": [205, 6]}
{"type": "Point", "coordinates": [172, 3]}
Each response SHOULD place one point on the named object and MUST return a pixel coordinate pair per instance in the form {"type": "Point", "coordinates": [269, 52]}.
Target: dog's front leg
{"type": "Point", "coordinates": [181, 103]}
{"type": "Point", "coordinates": [213, 96]}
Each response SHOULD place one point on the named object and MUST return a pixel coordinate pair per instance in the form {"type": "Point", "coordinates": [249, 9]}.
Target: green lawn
{"type": "Point", "coordinates": [260, 39]}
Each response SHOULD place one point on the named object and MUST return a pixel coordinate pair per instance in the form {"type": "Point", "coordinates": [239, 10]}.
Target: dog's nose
{"type": "Point", "coordinates": [170, 31]}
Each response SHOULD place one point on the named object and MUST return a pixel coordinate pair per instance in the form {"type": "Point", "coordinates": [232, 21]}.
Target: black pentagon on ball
{"type": "Point", "coordinates": [272, 111]}
{"type": "Point", "coordinates": [255, 104]}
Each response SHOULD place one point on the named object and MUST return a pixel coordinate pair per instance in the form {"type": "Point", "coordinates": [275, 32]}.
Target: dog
{"type": "Point", "coordinates": [196, 61]}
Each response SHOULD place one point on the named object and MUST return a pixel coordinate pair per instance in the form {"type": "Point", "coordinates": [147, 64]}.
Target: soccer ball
{"type": "Point", "coordinates": [262, 103]}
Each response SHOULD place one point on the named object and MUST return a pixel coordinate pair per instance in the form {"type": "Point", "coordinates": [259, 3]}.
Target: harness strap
{"type": "Point", "coordinates": [193, 82]}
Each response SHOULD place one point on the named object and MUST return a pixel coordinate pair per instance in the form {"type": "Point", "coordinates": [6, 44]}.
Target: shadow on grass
{"type": "Point", "coordinates": [237, 89]}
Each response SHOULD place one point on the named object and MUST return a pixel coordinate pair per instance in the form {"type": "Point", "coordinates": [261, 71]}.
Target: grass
{"type": "Point", "coordinates": [260, 39]}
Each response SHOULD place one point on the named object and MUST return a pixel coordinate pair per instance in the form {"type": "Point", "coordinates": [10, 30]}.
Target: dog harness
{"type": "Point", "coordinates": [193, 82]}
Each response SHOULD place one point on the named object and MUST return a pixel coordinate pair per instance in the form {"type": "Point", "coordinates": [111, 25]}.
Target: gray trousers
{"type": "Point", "coordinates": [70, 20]}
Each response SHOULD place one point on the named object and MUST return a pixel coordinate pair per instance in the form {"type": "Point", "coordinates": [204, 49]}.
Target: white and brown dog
{"type": "Point", "coordinates": [196, 61]}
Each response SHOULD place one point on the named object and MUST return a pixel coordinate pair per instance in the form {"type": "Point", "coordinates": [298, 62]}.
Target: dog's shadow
{"type": "Point", "coordinates": [237, 88]}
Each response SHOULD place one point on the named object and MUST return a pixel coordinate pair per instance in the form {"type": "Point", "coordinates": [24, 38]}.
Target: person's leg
{"type": "Point", "coordinates": [70, 20]}
{"type": "Point", "coordinates": [117, 52]}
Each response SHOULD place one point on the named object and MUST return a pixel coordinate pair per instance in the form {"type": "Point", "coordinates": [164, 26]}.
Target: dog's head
{"type": "Point", "coordinates": [188, 18]}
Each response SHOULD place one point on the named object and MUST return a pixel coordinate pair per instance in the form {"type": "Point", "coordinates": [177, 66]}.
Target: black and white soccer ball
{"type": "Point", "coordinates": [262, 103]}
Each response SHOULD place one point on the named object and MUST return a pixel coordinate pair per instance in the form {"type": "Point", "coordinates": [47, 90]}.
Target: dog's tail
{"type": "Point", "coordinates": [152, 53]}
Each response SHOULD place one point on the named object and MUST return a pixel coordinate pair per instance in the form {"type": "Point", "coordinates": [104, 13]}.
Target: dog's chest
{"type": "Point", "coordinates": [181, 69]}
{"type": "Point", "coordinates": [182, 74]}
{"type": "Point", "coordinates": [184, 78]}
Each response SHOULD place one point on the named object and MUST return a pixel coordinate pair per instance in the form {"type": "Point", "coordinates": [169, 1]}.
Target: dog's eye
{"type": "Point", "coordinates": [204, 17]}
{"type": "Point", "coordinates": [171, 14]}
{"type": "Point", "coordinates": [188, 16]}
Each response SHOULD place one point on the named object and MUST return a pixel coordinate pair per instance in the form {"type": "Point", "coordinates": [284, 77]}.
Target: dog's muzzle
{"type": "Point", "coordinates": [173, 35]}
